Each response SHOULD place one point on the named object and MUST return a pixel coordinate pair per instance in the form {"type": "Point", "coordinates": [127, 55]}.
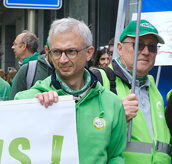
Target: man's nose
{"type": "Point", "coordinates": [145, 50]}
{"type": "Point", "coordinates": [64, 57]}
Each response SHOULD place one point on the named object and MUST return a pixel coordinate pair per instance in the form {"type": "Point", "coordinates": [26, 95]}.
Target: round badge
{"type": "Point", "coordinates": [99, 123]}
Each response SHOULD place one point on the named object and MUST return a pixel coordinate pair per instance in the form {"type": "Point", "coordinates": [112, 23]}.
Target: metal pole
{"type": "Point", "coordinates": [135, 62]}
{"type": "Point", "coordinates": [158, 76]}
{"type": "Point", "coordinates": [31, 20]}
{"type": "Point", "coordinates": [119, 24]}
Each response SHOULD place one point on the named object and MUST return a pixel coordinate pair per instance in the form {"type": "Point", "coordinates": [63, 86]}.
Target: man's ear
{"type": "Point", "coordinates": [119, 48]}
{"type": "Point", "coordinates": [24, 45]}
{"type": "Point", "coordinates": [90, 52]}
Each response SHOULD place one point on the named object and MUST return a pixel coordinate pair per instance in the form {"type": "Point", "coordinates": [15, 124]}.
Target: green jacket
{"type": "Point", "coordinates": [5, 90]}
{"type": "Point", "coordinates": [26, 60]}
{"type": "Point", "coordinates": [142, 149]}
{"type": "Point", "coordinates": [43, 70]}
{"type": "Point", "coordinates": [96, 146]}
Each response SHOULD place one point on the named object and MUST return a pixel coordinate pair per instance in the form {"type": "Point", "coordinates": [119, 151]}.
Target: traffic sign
{"type": "Point", "coordinates": [33, 4]}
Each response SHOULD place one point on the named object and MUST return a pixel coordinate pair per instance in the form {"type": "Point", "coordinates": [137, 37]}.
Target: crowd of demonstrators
{"type": "Point", "coordinates": [150, 137]}
{"type": "Point", "coordinates": [25, 47]}
{"type": "Point", "coordinates": [31, 72]}
{"type": "Point", "coordinates": [61, 71]}
{"type": "Point", "coordinates": [97, 143]}
{"type": "Point", "coordinates": [102, 58]}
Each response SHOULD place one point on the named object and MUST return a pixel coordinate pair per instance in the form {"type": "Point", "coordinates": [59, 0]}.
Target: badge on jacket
{"type": "Point", "coordinates": [99, 123]}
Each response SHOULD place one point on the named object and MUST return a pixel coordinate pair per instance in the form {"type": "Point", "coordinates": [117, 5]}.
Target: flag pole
{"type": "Point", "coordinates": [135, 61]}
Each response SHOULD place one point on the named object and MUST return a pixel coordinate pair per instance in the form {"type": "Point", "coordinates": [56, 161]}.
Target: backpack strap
{"type": "Point", "coordinates": [31, 72]}
{"type": "Point", "coordinates": [112, 78]}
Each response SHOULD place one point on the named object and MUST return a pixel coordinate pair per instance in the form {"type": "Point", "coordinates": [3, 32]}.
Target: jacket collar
{"type": "Point", "coordinates": [119, 72]}
{"type": "Point", "coordinates": [57, 84]}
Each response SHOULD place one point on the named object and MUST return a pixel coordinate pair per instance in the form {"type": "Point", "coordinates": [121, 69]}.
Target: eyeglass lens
{"type": "Point", "coordinates": [152, 47]}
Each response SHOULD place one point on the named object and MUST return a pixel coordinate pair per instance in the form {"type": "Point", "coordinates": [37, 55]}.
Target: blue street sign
{"type": "Point", "coordinates": [33, 4]}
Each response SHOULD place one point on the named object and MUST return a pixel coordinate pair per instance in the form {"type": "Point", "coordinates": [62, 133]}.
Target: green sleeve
{"type": "Point", "coordinates": [7, 91]}
{"type": "Point", "coordinates": [19, 83]}
{"type": "Point", "coordinates": [39, 87]}
{"type": "Point", "coordinates": [118, 138]}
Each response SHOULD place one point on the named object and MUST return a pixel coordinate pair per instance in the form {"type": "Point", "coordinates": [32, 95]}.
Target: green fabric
{"type": "Point", "coordinates": [96, 146]}
{"type": "Point", "coordinates": [110, 66]}
{"type": "Point", "coordinates": [140, 130]}
{"type": "Point", "coordinates": [42, 71]}
{"type": "Point", "coordinates": [5, 90]}
{"type": "Point", "coordinates": [168, 94]}
{"type": "Point", "coordinates": [32, 57]}
{"type": "Point", "coordinates": [87, 78]}
{"type": "Point", "coordinates": [26, 60]}
{"type": "Point", "coordinates": [145, 28]}
{"type": "Point", "coordinates": [47, 44]}
{"type": "Point", "coordinates": [105, 79]}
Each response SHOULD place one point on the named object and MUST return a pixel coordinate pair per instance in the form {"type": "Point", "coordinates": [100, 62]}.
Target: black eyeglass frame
{"type": "Point", "coordinates": [66, 52]}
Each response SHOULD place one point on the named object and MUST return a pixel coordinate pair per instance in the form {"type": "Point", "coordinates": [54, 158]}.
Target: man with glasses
{"type": "Point", "coordinates": [100, 117]}
{"type": "Point", "coordinates": [150, 136]}
{"type": "Point", "coordinates": [25, 47]}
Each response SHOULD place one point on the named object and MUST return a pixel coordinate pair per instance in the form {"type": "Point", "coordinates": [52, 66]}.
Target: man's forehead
{"type": "Point", "coordinates": [146, 38]}
{"type": "Point", "coordinates": [66, 39]}
{"type": "Point", "coordinates": [20, 36]}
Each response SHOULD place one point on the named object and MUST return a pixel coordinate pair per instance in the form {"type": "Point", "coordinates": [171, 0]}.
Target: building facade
{"type": "Point", "coordinates": [100, 15]}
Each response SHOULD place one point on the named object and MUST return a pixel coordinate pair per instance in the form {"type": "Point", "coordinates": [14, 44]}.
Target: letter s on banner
{"type": "Point", "coordinates": [15, 153]}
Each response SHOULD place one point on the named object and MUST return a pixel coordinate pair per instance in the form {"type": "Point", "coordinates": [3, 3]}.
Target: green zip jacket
{"type": "Point", "coordinates": [5, 90]}
{"type": "Point", "coordinates": [43, 70]}
{"type": "Point", "coordinates": [96, 146]}
{"type": "Point", "coordinates": [143, 149]}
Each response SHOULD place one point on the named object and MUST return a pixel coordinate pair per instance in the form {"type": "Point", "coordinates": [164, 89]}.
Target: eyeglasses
{"type": "Point", "coordinates": [152, 47]}
{"type": "Point", "coordinates": [70, 53]}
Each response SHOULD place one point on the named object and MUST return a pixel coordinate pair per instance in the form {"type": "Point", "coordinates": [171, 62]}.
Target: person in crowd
{"type": "Point", "coordinates": [102, 58]}
{"type": "Point", "coordinates": [10, 75]}
{"type": "Point", "coordinates": [5, 90]}
{"type": "Point", "coordinates": [101, 122]}
{"type": "Point", "coordinates": [31, 72]}
{"type": "Point", "coordinates": [2, 74]}
{"type": "Point", "coordinates": [168, 111]}
{"type": "Point", "coordinates": [25, 47]}
{"type": "Point", "coordinates": [150, 135]}
{"type": "Point", "coordinates": [110, 48]}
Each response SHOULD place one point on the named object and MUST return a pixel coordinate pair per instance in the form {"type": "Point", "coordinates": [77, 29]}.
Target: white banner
{"type": "Point", "coordinates": [32, 134]}
{"type": "Point", "coordinates": [163, 22]}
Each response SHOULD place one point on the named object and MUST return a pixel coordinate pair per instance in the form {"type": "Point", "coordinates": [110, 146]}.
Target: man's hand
{"type": "Point", "coordinates": [47, 98]}
{"type": "Point", "coordinates": [130, 103]}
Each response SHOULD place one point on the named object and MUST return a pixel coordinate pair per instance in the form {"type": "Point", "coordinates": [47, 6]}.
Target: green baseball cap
{"type": "Point", "coordinates": [145, 29]}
